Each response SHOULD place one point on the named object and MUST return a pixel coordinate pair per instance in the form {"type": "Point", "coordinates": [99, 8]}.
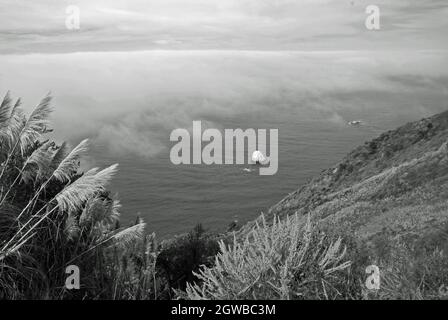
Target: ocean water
{"type": "Point", "coordinates": [172, 199]}
{"type": "Point", "coordinates": [128, 103]}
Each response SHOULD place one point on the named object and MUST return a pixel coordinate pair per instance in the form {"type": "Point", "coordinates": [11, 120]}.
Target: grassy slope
{"type": "Point", "coordinates": [396, 183]}
{"type": "Point", "coordinates": [387, 201]}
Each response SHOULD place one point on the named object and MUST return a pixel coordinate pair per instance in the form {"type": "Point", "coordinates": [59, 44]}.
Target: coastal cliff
{"type": "Point", "coordinates": [396, 183]}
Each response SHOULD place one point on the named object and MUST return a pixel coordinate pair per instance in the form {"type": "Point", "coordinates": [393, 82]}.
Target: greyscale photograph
{"type": "Point", "coordinates": [248, 150]}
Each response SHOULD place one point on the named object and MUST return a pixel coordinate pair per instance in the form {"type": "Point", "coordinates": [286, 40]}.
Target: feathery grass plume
{"type": "Point", "coordinates": [91, 209]}
{"type": "Point", "coordinates": [114, 212]}
{"type": "Point", "coordinates": [63, 172]}
{"type": "Point", "coordinates": [59, 156]}
{"type": "Point", "coordinates": [98, 209]}
{"type": "Point", "coordinates": [126, 237]}
{"type": "Point", "coordinates": [15, 109]}
{"type": "Point", "coordinates": [121, 239]}
{"type": "Point", "coordinates": [66, 166]}
{"type": "Point", "coordinates": [39, 240]}
{"type": "Point", "coordinates": [11, 119]}
{"type": "Point", "coordinates": [24, 132]}
{"type": "Point", "coordinates": [41, 158]}
{"type": "Point", "coordinates": [110, 213]}
{"type": "Point", "coordinates": [5, 110]}
{"type": "Point", "coordinates": [10, 132]}
{"type": "Point", "coordinates": [73, 196]}
{"type": "Point", "coordinates": [36, 124]}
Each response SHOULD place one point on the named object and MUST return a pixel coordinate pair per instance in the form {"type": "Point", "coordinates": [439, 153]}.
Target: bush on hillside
{"type": "Point", "coordinates": [285, 260]}
{"type": "Point", "coordinates": [180, 257]}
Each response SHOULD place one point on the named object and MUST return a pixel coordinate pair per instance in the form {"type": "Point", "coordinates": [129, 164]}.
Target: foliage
{"type": "Point", "coordinates": [285, 260]}
{"type": "Point", "coordinates": [180, 257]}
{"type": "Point", "coordinates": [411, 269]}
{"type": "Point", "coordinates": [51, 216]}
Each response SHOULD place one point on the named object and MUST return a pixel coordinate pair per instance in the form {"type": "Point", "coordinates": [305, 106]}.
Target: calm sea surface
{"type": "Point", "coordinates": [128, 104]}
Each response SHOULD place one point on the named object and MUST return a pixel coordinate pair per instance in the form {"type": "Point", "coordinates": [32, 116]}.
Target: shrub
{"type": "Point", "coordinates": [285, 260]}
{"type": "Point", "coordinates": [180, 257]}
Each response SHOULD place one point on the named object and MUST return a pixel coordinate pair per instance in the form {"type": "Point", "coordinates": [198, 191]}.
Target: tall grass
{"type": "Point", "coordinates": [52, 215]}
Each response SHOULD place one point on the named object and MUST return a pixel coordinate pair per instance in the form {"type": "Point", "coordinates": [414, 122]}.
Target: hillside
{"type": "Point", "coordinates": [396, 183]}
{"type": "Point", "coordinates": [384, 206]}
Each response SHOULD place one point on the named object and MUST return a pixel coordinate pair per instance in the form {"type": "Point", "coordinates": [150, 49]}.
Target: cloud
{"type": "Point", "coordinates": [111, 25]}
{"type": "Point", "coordinates": [131, 136]}
{"type": "Point", "coordinates": [130, 102]}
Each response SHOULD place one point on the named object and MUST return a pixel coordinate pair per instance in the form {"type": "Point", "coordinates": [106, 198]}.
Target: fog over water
{"type": "Point", "coordinates": [137, 69]}
{"type": "Point", "coordinates": [128, 103]}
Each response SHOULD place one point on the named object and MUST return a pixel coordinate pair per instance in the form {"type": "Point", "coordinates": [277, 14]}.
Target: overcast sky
{"type": "Point", "coordinates": [220, 58]}
{"type": "Point", "coordinates": [118, 25]}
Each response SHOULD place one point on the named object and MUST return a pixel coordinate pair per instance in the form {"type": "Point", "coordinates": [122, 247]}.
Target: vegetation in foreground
{"type": "Point", "coordinates": [52, 215]}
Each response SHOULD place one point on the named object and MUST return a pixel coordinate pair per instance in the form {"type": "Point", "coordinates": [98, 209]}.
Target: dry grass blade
{"type": "Point", "coordinates": [10, 132]}
{"type": "Point", "coordinates": [5, 110]}
{"type": "Point", "coordinates": [36, 124]}
{"type": "Point", "coordinates": [41, 158]}
{"type": "Point", "coordinates": [125, 237]}
{"type": "Point", "coordinates": [73, 196]}
{"type": "Point", "coordinates": [59, 156]}
{"type": "Point", "coordinates": [69, 164]}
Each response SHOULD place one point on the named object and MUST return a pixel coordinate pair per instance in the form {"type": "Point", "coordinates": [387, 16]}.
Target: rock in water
{"type": "Point", "coordinates": [355, 123]}
{"type": "Point", "coordinates": [258, 157]}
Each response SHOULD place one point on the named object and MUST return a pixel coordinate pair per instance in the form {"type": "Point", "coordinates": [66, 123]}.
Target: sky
{"type": "Point", "coordinates": [139, 68]}
{"type": "Point", "coordinates": [131, 101]}
{"type": "Point", "coordinates": [117, 25]}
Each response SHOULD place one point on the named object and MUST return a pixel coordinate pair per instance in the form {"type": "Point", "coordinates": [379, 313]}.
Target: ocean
{"type": "Point", "coordinates": [128, 103]}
